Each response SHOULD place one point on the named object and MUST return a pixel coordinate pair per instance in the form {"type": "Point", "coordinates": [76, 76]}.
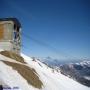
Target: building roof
{"type": "Point", "coordinates": [15, 20]}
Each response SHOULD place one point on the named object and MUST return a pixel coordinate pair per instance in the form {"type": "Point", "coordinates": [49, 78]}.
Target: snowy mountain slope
{"type": "Point", "coordinates": [78, 71]}
{"type": "Point", "coordinates": [11, 77]}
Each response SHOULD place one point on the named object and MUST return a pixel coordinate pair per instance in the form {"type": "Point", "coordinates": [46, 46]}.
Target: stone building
{"type": "Point", "coordinates": [10, 35]}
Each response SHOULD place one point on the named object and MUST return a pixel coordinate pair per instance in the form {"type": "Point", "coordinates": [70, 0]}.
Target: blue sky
{"type": "Point", "coordinates": [62, 24]}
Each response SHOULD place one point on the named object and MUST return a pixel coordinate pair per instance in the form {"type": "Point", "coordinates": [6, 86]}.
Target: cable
{"type": "Point", "coordinates": [51, 48]}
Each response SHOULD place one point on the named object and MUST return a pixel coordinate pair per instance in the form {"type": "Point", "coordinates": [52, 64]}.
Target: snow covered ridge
{"type": "Point", "coordinates": [28, 73]}
{"type": "Point", "coordinates": [33, 75]}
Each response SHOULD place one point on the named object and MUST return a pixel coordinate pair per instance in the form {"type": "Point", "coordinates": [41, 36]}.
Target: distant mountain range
{"type": "Point", "coordinates": [56, 62]}
{"type": "Point", "coordinates": [79, 70]}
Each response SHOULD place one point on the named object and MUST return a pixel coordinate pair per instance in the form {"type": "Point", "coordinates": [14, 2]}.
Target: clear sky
{"type": "Point", "coordinates": [62, 24]}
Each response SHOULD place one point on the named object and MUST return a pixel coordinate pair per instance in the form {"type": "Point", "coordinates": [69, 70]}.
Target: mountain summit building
{"type": "Point", "coordinates": [10, 35]}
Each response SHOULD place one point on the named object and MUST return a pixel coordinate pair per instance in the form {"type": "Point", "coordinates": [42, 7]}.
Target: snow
{"type": "Point", "coordinates": [51, 80]}
{"type": "Point", "coordinates": [54, 81]}
{"type": "Point", "coordinates": [87, 77]}
{"type": "Point", "coordinates": [13, 79]}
